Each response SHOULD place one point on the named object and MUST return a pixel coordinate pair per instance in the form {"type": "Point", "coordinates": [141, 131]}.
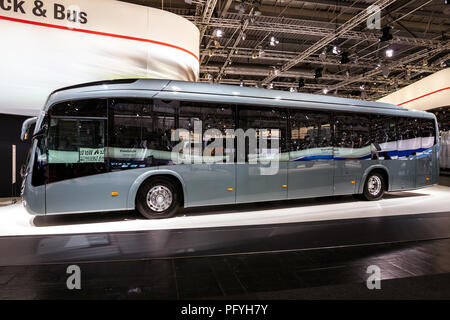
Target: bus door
{"type": "Point", "coordinates": [311, 154]}
{"type": "Point", "coordinates": [425, 156]}
{"type": "Point", "coordinates": [261, 170]}
{"type": "Point", "coordinates": [76, 158]}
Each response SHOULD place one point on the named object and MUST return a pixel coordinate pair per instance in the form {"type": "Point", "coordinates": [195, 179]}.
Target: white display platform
{"type": "Point", "coordinates": [15, 221]}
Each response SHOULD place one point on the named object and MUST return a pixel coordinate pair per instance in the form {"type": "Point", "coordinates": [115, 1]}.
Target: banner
{"type": "Point", "coordinates": [46, 45]}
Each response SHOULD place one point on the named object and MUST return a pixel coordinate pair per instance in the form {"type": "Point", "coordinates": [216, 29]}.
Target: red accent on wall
{"type": "Point", "coordinates": [424, 95]}
{"type": "Point", "coordinates": [96, 33]}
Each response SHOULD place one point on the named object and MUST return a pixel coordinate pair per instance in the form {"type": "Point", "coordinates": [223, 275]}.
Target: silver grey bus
{"type": "Point", "coordinates": [108, 146]}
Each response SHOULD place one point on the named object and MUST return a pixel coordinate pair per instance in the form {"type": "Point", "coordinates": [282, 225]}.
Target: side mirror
{"type": "Point", "coordinates": [23, 170]}
{"type": "Point", "coordinates": [39, 134]}
{"type": "Point", "coordinates": [26, 127]}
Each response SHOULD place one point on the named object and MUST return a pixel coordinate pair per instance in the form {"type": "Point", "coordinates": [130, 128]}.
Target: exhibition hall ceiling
{"type": "Point", "coordinates": [320, 46]}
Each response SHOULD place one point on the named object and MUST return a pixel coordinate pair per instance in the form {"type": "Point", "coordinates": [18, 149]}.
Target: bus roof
{"type": "Point", "coordinates": [200, 88]}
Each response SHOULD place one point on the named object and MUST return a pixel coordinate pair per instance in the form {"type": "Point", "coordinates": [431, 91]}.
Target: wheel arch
{"type": "Point", "coordinates": [131, 200]}
{"type": "Point", "coordinates": [375, 168]}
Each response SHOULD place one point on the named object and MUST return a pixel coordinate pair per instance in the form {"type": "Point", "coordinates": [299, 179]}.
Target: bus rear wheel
{"type": "Point", "coordinates": [374, 187]}
{"type": "Point", "coordinates": [158, 198]}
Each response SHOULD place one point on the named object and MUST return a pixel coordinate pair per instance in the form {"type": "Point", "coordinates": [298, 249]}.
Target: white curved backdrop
{"type": "Point", "coordinates": [428, 93]}
{"type": "Point", "coordinates": [60, 44]}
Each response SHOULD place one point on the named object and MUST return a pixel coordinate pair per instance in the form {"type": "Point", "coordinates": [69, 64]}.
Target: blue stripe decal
{"type": "Point", "coordinates": [394, 153]}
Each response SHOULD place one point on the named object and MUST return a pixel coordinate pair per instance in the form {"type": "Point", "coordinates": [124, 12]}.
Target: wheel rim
{"type": "Point", "coordinates": [374, 185]}
{"type": "Point", "coordinates": [159, 198]}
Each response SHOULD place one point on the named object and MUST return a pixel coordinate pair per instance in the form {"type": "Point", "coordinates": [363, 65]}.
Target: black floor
{"type": "Point", "coordinates": [310, 260]}
{"type": "Point", "coordinates": [415, 270]}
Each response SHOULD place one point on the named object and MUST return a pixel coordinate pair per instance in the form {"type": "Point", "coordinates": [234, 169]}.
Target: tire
{"type": "Point", "coordinates": [374, 187]}
{"type": "Point", "coordinates": [158, 198]}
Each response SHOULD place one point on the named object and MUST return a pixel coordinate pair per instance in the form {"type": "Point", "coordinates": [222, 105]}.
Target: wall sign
{"type": "Point", "coordinates": [46, 45]}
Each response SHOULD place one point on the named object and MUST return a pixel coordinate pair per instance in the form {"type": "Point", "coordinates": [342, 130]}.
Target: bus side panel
{"type": "Point", "coordinates": [207, 183]}
{"type": "Point", "coordinates": [312, 178]}
{"type": "Point", "coordinates": [404, 174]}
{"type": "Point", "coordinates": [91, 193]}
{"type": "Point", "coordinates": [347, 174]}
{"type": "Point", "coordinates": [253, 185]}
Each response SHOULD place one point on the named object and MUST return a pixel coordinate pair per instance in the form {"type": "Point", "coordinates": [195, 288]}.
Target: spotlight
{"type": "Point", "coordinates": [318, 73]}
{"type": "Point", "coordinates": [260, 53]}
{"type": "Point", "coordinates": [244, 36]}
{"type": "Point", "coordinates": [273, 42]}
{"type": "Point", "coordinates": [389, 53]}
{"type": "Point", "coordinates": [292, 89]}
{"type": "Point", "coordinates": [301, 83]}
{"type": "Point", "coordinates": [344, 58]}
{"type": "Point", "coordinates": [325, 90]}
{"type": "Point", "coordinates": [216, 44]}
{"type": "Point", "coordinates": [336, 50]}
{"type": "Point", "coordinates": [241, 83]}
{"type": "Point", "coordinates": [361, 87]}
{"type": "Point", "coordinates": [270, 86]}
{"type": "Point", "coordinates": [254, 55]}
{"type": "Point", "coordinates": [218, 33]}
{"type": "Point", "coordinates": [386, 36]}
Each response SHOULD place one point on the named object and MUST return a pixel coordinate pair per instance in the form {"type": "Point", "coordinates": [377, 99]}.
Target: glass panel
{"type": "Point", "coordinates": [205, 133]}
{"type": "Point", "coordinates": [352, 137]}
{"type": "Point", "coordinates": [267, 128]}
{"type": "Point", "coordinates": [409, 141]}
{"type": "Point", "coordinates": [428, 133]}
{"type": "Point", "coordinates": [140, 132]}
{"type": "Point", "coordinates": [76, 139]}
{"type": "Point", "coordinates": [310, 136]}
{"type": "Point", "coordinates": [384, 137]}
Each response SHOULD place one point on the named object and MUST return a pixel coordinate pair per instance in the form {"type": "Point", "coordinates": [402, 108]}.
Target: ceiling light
{"type": "Point", "coordinates": [292, 89]}
{"type": "Point", "coordinates": [273, 42]}
{"type": "Point", "coordinates": [361, 87]}
{"type": "Point", "coordinates": [241, 83]}
{"type": "Point", "coordinates": [270, 86]}
{"type": "Point", "coordinates": [216, 44]}
{"type": "Point", "coordinates": [336, 50]}
{"type": "Point", "coordinates": [389, 53]}
{"type": "Point", "coordinates": [244, 36]}
{"type": "Point", "coordinates": [260, 53]}
{"type": "Point", "coordinates": [254, 55]}
{"type": "Point", "coordinates": [325, 90]}
{"type": "Point", "coordinates": [218, 33]}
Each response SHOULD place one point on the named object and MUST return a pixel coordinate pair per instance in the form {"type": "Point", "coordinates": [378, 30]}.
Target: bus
{"type": "Point", "coordinates": [157, 146]}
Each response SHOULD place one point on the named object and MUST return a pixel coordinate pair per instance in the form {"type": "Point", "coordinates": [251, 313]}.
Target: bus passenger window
{"type": "Point", "coordinates": [76, 139]}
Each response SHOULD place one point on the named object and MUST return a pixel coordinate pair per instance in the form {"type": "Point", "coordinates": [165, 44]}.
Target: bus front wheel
{"type": "Point", "coordinates": [157, 199]}
{"type": "Point", "coordinates": [374, 187]}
